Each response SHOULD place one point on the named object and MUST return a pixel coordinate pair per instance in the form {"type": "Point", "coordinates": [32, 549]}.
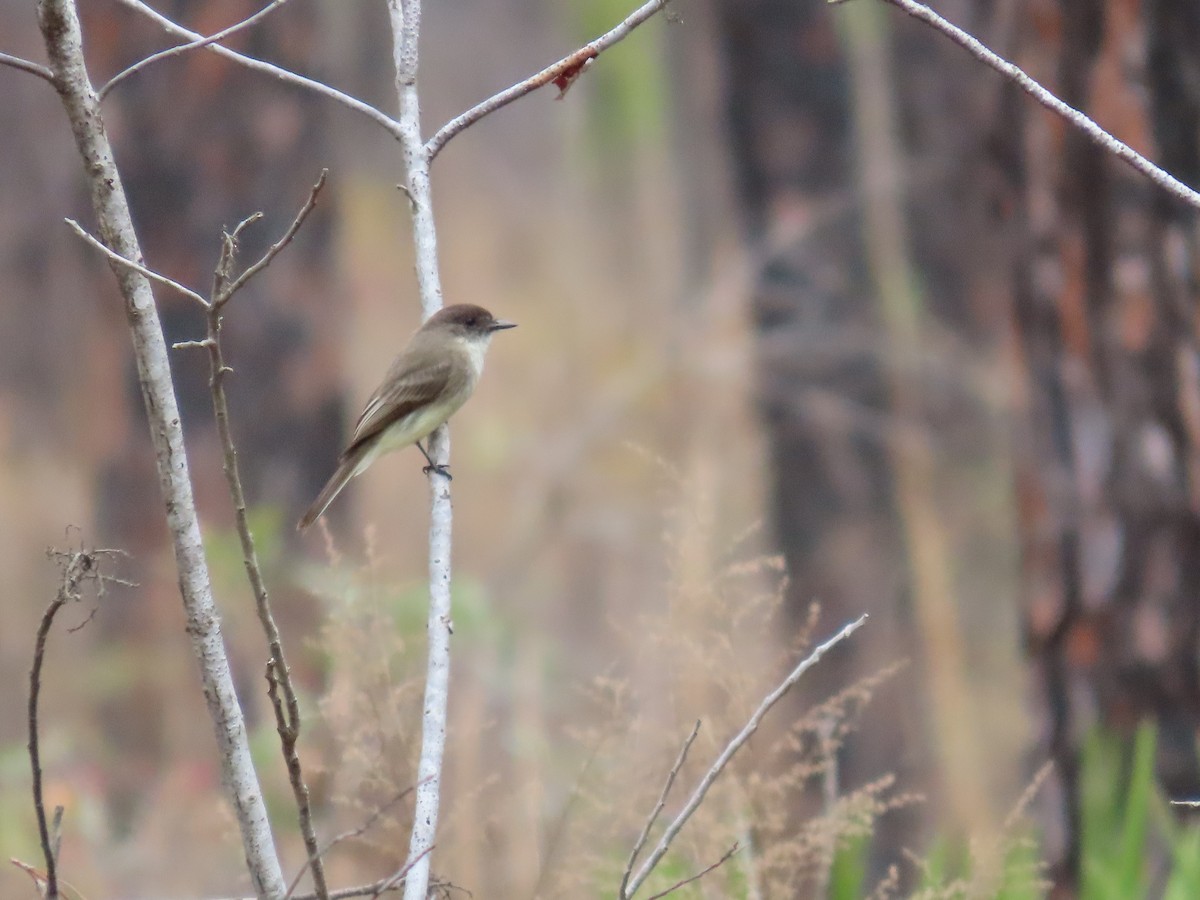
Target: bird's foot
{"type": "Point", "coordinates": [443, 470]}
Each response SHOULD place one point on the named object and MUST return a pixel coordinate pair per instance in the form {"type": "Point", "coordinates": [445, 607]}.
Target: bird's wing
{"type": "Point", "coordinates": [405, 389]}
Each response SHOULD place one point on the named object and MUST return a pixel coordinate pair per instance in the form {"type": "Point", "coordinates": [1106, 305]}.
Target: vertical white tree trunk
{"type": "Point", "coordinates": [405, 17]}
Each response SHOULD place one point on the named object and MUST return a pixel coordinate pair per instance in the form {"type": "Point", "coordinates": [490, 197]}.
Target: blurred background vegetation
{"type": "Point", "coordinates": [813, 310]}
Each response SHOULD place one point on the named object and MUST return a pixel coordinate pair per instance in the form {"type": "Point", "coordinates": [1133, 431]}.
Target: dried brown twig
{"type": "Point", "coordinates": [78, 568]}
{"type": "Point", "coordinates": [686, 881]}
{"type": "Point", "coordinates": [287, 711]}
{"type": "Point", "coordinates": [225, 285]}
{"type": "Point", "coordinates": [640, 843]}
{"type": "Point", "coordinates": [345, 835]}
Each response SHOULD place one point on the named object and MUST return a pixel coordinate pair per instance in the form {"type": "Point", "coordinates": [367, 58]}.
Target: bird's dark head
{"type": "Point", "coordinates": [466, 320]}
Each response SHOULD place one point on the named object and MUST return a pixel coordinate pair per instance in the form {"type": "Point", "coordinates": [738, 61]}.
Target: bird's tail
{"type": "Point", "coordinates": [347, 469]}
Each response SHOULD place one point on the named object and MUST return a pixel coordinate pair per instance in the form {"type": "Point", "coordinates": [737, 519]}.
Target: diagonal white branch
{"type": "Point", "coordinates": [1013, 73]}
{"type": "Point", "coordinates": [565, 69]}
{"type": "Point", "coordinates": [25, 65]}
{"type": "Point", "coordinates": [286, 75]}
{"type": "Point", "coordinates": [731, 748]}
{"type": "Point", "coordinates": [191, 45]}
{"type": "Point", "coordinates": [118, 260]}
{"type": "Point", "coordinates": [59, 23]}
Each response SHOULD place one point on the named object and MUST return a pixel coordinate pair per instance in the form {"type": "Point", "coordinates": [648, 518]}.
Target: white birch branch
{"type": "Point", "coordinates": [116, 259]}
{"type": "Point", "coordinates": [286, 75]}
{"type": "Point", "coordinates": [191, 45]}
{"type": "Point", "coordinates": [405, 18]}
{"type": "Point", "coordinates": [1015, 74]}
{"type": "Point", "coordinates": [25, 65]}
{"type": "Point", "coordinates": [562, 73]}
{"type": "Point", "coordinates": [731, 748]}
{"type": "Point", "coordinates": [59, 24]}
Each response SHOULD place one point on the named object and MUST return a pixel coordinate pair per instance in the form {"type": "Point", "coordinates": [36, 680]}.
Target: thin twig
{"type": "Point", "coordinates": [349, 835]}
{"type": "Point", "coordinates": [287, 709]}
{"type": "Point", "coordinates": [309, 205]}
{"type": "Point", "coordinates": [734, 745]}
{"type": "Point", "coordinates": [136, 267]}
{"type": "Point", "coordinates": [35, 758]}
{"type": "Point", "coordinates": [640, 843]}
{"type": "Point", "coordinates": [561, 73]}
{"type": "Point", "coordinates": [287, 726]}
{"type": "Point", "coordinates": [378, 116]}
{"type": "Point", "coordinates": [77, 567]}
{"type": "Point", "coordinates": [26, 65]}
{"type": "Point", "coordinates": [193, 45]}
{"type": "Point", "coordinates": [389, 883]}
{"type": "Point", "coordinates": [677, 885]}
{"type": "Point", "coordinates": [1013, 73]}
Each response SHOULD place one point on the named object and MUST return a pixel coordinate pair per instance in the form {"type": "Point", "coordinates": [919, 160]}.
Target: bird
{"type": "Point", "coordinates": [426, 384]}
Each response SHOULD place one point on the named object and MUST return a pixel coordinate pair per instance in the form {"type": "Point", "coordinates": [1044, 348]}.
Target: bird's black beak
{"type": "Point", "coordinates": [501, 324]}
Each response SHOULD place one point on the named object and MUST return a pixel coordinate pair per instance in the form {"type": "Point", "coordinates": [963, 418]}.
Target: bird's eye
{"type": "Point", "coordinates": [472, 322]}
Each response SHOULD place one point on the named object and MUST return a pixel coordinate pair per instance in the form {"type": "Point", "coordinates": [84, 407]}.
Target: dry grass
{"type": "Point", "coordinates": [551, 778]}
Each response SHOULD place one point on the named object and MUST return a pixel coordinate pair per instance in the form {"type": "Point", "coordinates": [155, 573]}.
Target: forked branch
{"type": "Point", "coordinates": [191, 45]}
{"type": "Point", "coordinates": [561, 73]}
{"type": "Point", "coordinates": [78, 567]}
{"type": "Point", "coordinates": [286, 75]}
{"type": "Point", "coordinates": [640, 843]}
{"type": "Point", "coordinates": [225, 284]}
{"type": "Point", "coordinates": [727, 754]}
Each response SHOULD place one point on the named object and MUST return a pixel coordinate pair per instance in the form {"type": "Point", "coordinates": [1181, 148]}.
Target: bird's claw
{"type": "Point", "coordinates": [442, 469]}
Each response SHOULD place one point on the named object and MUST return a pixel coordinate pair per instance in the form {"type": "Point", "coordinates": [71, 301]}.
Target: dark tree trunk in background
{"type": "Point", "coordinates": [846, 373]}
{"type": "Point", "coordinates": [1012, 225]}
{"type": "Point", "coordinates": [1108, 471]}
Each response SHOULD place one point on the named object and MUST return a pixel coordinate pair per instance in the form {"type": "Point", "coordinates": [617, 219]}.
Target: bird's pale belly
{"type": "Point", "coordinates": [416, 426]}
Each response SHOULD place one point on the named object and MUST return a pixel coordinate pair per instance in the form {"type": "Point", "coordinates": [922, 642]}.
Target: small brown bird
{"type": "Point", "coordinates": [431, 378]}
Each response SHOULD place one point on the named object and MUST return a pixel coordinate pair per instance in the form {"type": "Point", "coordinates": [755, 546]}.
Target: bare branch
{"type": "Point", "coordinates": [78, 567]}
{"type": "Point", "coordinates": [193, 45]}
{"type": "Point", "coordinates": [677, 885]}
{"type": "Point", "coordinates": [402, 873]}
{"type": "Point", "coordinates": [734, 745]}
{"type": "Point", "coordinates": [35, 757]}
{"type": "Point", "coordinates": [1094, 132]}
{"type": "Point", "coordinates": [59, 24]}
{"type": "Point", "coordinates": [287, 725]}
{"type": "Point", "coordinates": [658, 808]}
{"type": "Point", "coordinates": [379, 117]}
{"type": "Point", "coordinates": [25, 65]}
{"type": "Point", "coordinates": [136, 267]}
{"type": "Point", "coordinates": [221, 298]}
{"type": "Point", "coordinates": [561, 73]}
{"type": "Point", "coordinates": [348, 835]}
{"type": "Point", "coordinates": [287, 707]}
